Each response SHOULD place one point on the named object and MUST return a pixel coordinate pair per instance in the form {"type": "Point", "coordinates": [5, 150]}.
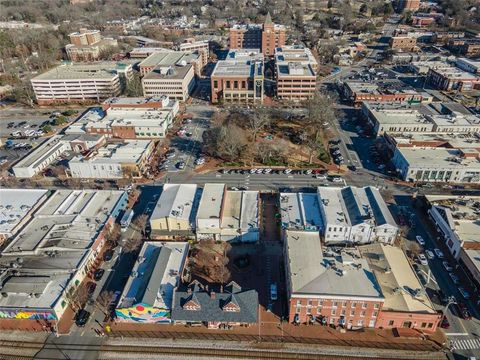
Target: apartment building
{"type": "Point", "coordinates": [174, 213]}
{"type": "Point", "coordinates": [126, 159]}
{"type": "Point", "coordinates": [438, 164]}
{"type": "Point", "coordinates": [469, 47]}
{"type": "Point", "coordinates": [453, 79]}
{"type": "Point", "coordinates": [80, 82]}
{"type": "Point", "coordinates": [176, 81]}
{"type": "Point", "coordinates": [238, 78]}
{"type": "Point", "coordinates": [353, 215]}
{"type": "Point", "coordinates": [87, 45]}
{"type": "Point", "coordinates": [51, 256]}
{"type": "Point", "coordinates": [403, 43]}
{"type": "Point", "coordinates": [149, 292]}
{"type": "Point", "coordinates": [266, 36]}
{"type": "Point", "coordinates": [329, 285]}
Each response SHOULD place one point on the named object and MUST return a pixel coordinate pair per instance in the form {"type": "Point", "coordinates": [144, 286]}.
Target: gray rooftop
{"type": "Point", "coordinates": [334, 273]}
{"type": "Point", "coordinates": [176, 200]}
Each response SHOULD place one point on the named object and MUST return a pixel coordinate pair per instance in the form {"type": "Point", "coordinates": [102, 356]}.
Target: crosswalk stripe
{"type": "Point", "coordinates": [466, 344]}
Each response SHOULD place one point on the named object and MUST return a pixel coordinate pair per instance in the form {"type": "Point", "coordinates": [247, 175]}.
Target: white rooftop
{"type": "Point", "coordinates": [176, 200]}
{"type": "Point", "coordinates": [300, 211]}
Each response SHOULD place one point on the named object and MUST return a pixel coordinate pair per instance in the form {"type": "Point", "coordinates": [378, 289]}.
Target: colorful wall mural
{"type": "Point", "coordinates": [143, 313]}
{"type": "Point", "coordinates": [28, 315]}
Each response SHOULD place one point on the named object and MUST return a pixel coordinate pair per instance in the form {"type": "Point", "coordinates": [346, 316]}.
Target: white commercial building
{"type": "Point", "coordinates": [174, 213]}
{"type": "Point", "coordinates": [437, 164]}
{"type": "Point", "coordinates": [300, 211]}
{"type": "Point", "coordinates": [355, 215]}
{"type": "Point", "coordinates": [114, 161]}
{"type": "Point", "coordinates": [227, 215]}
{"type": "Point", "coordinates": [41, 157]}
{"type": "Point", "coordinates": [176, 81]}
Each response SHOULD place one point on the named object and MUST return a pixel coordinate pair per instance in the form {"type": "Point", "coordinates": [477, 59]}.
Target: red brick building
{"type": "Point", "coordinates": [404, 43]}
{"type": "Point", "coordinates": [266, 36]}
{"type": "Point", "coordinates": [408, 5]}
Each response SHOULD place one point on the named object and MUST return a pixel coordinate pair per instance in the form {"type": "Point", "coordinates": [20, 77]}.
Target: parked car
{"type": "Point", "coordinates": [464, 313]}
{"type": "Point", "coordinates": [447, 266]}
{"type": "Point", "coordinates": [91, 286]}
{"type": "Point", "coordinates": [464, 293]}
{"type": "Point", "coordinates": [422, 259]}
{"type": "Point", "coordinates": [439, 253]}
{"type": "Point", "coordinates": [430, 254]}
{"type": "Point", "coordinates": [82, 318]}
{"type": "Point", "coordinates": [444, 324]}
{"type": "Point", "coordinates": [200, 161]}
{"type": "Point", "coordinates": [454, 278]}
{"type": "Point", "coordinates": [98, 274]}
{"type": "Point", "coordinates": [108, 255]}
{"type": "Point", "coordinates": [180, 165]}
{"type": "Point", "coordinates": [273, 292]}
{"type": "Point", "coordinates": [336, 179]}
{"type": "Point", "coordinates": [352, 167]}
{"type": "Point", "coordinates": [420, 240]}
{"type": "Point", "coordinates": [287, 171]}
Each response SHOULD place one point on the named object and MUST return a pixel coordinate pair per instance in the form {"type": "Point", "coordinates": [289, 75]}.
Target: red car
{"type": "Point", "coordinates": [445, 324]}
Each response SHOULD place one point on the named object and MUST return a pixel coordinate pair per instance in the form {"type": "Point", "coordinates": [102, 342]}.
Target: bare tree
{"type": "Point", "coordinates": [140, 222]}
{"type": "Point", "coordinates": [113, 235]}
{"type": "Point", "coordinates": [258, 121]}
{"type": "Point", "coordinates": [77, 297]}
{"type": "Point", "coordinates": [133, 243]}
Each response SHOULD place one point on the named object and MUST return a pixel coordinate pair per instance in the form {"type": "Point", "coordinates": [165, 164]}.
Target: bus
{"type": "Point", "coordinates": [126, 219]}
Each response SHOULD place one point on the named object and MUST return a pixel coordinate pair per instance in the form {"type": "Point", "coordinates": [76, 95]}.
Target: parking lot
{"type": "Point", "coordinates": [186, 144]}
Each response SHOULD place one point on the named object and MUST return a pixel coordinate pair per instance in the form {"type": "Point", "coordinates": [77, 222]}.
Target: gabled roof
{"type": "Point", "coordinates": [214, 304]}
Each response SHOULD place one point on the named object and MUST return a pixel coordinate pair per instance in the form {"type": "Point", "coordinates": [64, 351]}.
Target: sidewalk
{"type": "Point", "coordinates": [288, 333]}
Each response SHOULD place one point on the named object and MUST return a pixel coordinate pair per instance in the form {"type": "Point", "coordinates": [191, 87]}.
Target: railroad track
{"type": "Point", "coordinates": [12, 350]}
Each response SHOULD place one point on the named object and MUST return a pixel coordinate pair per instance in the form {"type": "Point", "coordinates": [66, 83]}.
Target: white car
{"type": "Point", "coordinates": [439, 253]}
{"type": "Point", "coordinates": [267, 171]}
{"type": "Point", "coordinates": [430, 254]}
{"type": "Point", "coordinates": [420, 240]}
{"type": "Point", "coordinates": [422, 259]}
{"type": "Point", "coordinates": [287, 171]}
{"type": "Point", "coordinates": [253, 171]}
{"type": "Point", "coordinates": [200, 161]}
{"type": "Point", "coordinates": [321, 177]}
{"type": "Point", "coordinates": [447, 266]}
{"type": "Point", "coordinates": [337, 179]}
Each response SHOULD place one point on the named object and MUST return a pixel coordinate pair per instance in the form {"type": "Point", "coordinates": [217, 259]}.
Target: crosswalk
{"type": "Point", "coordinates": [465, 344]}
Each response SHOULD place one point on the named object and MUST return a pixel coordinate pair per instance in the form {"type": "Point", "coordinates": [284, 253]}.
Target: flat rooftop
{"type": "Point", "coordinates": [127, 101]}
{"type": "Point", "coordinates": [300, 211]}
{"type": "Point", "coordinates": [169, 58]}
{"type": "Point", "coordinates": [387, 113]}
{"type": "Point", "coordinates": [456, 73]}
{"type": "Point", "coordinates": [176, 200]}
{"type": "Point", "coordinates": [127, 152]}
{"type": "Point", "coordinates": [69, 220]}
{"type": "Point", "coordinates": [241, 62]}
{"type": "Point", "coordinates": [438, 157]}
{"type": "Point", "coordinates": [294, 69]}
{"type": "Point", "coordinates": [42, 152]}
{"type": "Point", "coordinates": [16, 204]}
{"type": "Point", "coordinates": [173, 72]}
{"type": "Point", "coordinates": [98, 71]}
{"type": "Point", "coordinates": [399, 284]}
{"type": "Point", "coordinates": [330, 272]}
{"type": "Point", "coordinates": [155, 275]}
{"type": "Point", "coordinates": [211, 201]}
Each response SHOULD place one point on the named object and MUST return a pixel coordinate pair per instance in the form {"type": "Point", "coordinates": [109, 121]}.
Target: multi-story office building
{"type": "Point", "coordinates": [87, 45]}
{"type": "Point", "coordinates": [453, 79]}
{"type": "Point", "coordinates": [266, 36]}
{"type": "Point", "coordinates": [295, 70]}
{"type": "Point", "coordinates": [176, 81]}
{"type": "Point", "coordinates": [165, 59]}
{"type": "Point", "coordinates": [80, 82]}
{"type": "Point", "coordinates": [202, 47]}
{"type": "Point", "coordinates": [238, 78]}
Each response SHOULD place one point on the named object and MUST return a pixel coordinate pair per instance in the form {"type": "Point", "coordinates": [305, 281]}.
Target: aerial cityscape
{"type": "Point", "coordinates": [240, 179]}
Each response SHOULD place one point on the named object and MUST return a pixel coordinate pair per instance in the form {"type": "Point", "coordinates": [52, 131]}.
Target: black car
{"type": "Point", "coordinates": [352, 167]}
{"type": "Point", "coordinates": [91, 286]}
{"type": "Point", "coordinates": [82, 318]}
{"type": "Point", "coordinates": [98, 274]}
{"type": "Point", "coordinates": [108, 255]}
